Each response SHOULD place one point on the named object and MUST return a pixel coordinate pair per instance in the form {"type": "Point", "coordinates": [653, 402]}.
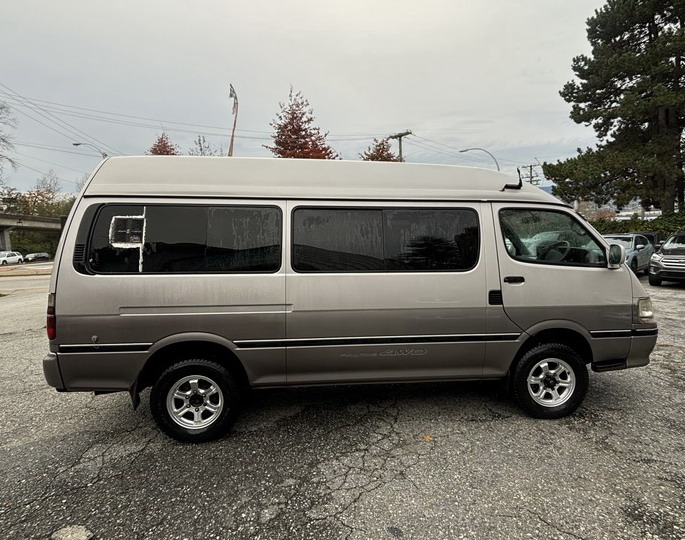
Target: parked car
{"type": "Point", "coordinates": [639, 250]}
{"type": "Point", "coordinates": [37, 257]}
{"type": "Point", "coordinates": [10, 257]}
{"type": "Point", "coordinates": [654, 237]}
{"type": "Point", "coordinates": [669, 263]}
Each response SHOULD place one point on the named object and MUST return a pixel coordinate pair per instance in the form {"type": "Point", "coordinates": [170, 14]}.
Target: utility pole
{"type": "Point", "coordinates": [530, 175]}
{"type": "Point", "coordinates": [399, 136]}
{"type": "Point", "coordinates": [232, 94]}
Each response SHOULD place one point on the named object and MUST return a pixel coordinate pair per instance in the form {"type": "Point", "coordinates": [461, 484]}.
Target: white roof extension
{"type": "Point", "coordinates": [272, 178]}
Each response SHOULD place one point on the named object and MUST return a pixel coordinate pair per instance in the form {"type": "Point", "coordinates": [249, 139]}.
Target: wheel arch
{"type": "Point", "coordinates": [185, 346]}
{"type": "Point", "coordinates": [566, 333]}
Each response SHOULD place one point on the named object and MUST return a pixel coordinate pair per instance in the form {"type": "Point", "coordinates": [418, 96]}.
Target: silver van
{"type": "Point", "coordinates": [202, 277]}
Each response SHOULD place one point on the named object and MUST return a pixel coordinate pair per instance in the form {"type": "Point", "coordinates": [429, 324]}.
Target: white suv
{"type": "Point", "coordinates": [10, 257]}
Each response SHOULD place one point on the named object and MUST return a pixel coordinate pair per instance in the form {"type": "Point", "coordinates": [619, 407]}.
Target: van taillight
{"type": "Point", "coordinates": [50, 324]}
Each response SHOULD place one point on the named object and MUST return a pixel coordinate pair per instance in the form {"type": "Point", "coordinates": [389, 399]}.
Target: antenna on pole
{"type": "Point", "coordinates": [232, 94]}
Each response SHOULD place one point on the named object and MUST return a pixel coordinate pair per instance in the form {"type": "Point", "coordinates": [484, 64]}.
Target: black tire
{"type": "Point", "coordinates": [571, 375]}
{"type": "Point", "coordinates": [209, 410]}
{"type": "Point", "coordinates": [653, 280]}
{"type": "Point", "coordinates": [633, 266]}
{"type": "Point", "coordinates": [4, 263]}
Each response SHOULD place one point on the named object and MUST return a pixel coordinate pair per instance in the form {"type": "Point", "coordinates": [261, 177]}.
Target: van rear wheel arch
{"type": "Point", "coordinates": [175, 352]}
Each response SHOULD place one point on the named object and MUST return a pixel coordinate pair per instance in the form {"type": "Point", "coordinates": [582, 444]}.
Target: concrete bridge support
{"type": "Point", "coordinates": [5, 244]}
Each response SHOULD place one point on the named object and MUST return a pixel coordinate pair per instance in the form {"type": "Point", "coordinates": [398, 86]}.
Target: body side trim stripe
{"type": "Point", "coordinates": [384, 340]}
{"type": "Point", "coordinates": [110, 347]}
{"type": "Point", "coordinates": [600, 334]}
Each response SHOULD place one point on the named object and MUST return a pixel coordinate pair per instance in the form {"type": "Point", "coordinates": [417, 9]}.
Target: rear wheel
{"type": "Point", "coordinates": [195, 400]}
{"type": "Point", "coordinates": [633, 266]}
{"type": "Point", "coordinates": [550, 381]}
{"type": "Point", "coordinates": [653, 280]}
{"type": "Point", "coordinates": [4, 263]}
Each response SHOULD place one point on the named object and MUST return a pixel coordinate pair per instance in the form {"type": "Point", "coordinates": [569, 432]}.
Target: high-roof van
{"type": "Point", "coordinates": [202, 277]}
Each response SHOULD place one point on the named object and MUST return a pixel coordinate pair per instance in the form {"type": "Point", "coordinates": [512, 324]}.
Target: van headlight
{"type": "Point", "coordinates": [644, 310]}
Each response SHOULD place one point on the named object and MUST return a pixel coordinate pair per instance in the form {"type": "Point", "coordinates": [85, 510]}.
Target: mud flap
{"type": "Point", "coordinates": [135, 395]}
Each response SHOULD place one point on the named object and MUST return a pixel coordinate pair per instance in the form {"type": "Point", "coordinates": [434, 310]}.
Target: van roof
{"type": "Point", "coordinates": [191, 176]}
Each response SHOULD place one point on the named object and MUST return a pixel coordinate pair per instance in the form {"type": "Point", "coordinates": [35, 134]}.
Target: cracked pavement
{"type": "Point", "coordinates": [449, 460]}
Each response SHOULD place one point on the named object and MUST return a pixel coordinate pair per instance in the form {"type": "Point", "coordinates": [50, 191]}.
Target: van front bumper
{"type": "Point", "coordinates": [640, 349]}
{"type": "Point", "coordinates": [51, 371]}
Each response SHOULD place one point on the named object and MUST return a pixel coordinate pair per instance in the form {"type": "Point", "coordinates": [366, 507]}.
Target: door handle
{"type": "Point", "coordinates": [514, 279]}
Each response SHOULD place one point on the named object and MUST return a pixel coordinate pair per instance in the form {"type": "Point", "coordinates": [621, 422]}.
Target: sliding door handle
{"type": "Point", "coordinates": [514, 279]}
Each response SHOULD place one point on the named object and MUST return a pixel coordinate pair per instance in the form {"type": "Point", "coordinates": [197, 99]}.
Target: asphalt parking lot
{"type": "Point", "coordinates": [398, 461]}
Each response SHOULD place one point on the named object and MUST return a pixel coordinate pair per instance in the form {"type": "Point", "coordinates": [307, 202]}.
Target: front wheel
{"type": "Point", "coordinates": [653, 280]}
{"type": "Point", "coordinates": [633, 266]}
{"type": "Point", "coordinates": [550, 381]}
{"type": "Point", "coordinates": [194, 400]}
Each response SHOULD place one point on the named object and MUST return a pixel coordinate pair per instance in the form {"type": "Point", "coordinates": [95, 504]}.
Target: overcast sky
{"type": "Point", "coordinates": [459, 74]}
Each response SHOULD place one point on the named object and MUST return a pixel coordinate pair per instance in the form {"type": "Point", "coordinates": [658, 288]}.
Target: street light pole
{"type": "Point", "coordinates": [482, 150]}
{"type": "Point", "coordinates": [103, 154]}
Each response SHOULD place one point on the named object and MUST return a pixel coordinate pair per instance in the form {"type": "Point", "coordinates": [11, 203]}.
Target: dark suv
{"type": "Point", "coordinates": [669, 263]}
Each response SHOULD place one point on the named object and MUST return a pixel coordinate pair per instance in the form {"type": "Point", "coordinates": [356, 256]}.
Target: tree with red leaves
{"type": "Point", "coordinates": [379, 151]}
{"type": "Point", "coordinates": [295, 136]}
{"type": "Point", "coordinates": [163, 147]}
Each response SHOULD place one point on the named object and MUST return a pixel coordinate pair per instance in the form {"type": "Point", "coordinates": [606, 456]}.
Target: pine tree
{"type": "Point", "coordinates": [379, 150]}
{"type": "Point", "coordinates": [163, 147]}
{"type": "Point", "coordinates": [295, 135]}
{"type": "Point", "coordinates": [631, 90]}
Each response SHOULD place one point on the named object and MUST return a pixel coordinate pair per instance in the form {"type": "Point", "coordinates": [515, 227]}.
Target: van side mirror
{"type": "Point", "coordinates": [617, 256]}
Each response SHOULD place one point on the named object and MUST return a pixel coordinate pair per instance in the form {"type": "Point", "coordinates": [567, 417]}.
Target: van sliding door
{"type": "Point", "coordinates": [384, 292]}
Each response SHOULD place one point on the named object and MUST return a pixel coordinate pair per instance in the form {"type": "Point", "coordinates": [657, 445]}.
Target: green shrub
{"type": "Point", "coordinates": [666, 225]}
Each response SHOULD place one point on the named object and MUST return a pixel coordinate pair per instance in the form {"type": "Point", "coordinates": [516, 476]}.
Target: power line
{"type": "Point", "coordinates": [50, 162]}
{"type": "Point", "coordinates": [52, 148]}
{"type": "Point", "coordinates": [44, 173]}
{"type": "Point", "coordinates": [478, 158]}
{"type": "Point", "coordinates": [65, 125]}
{"type": "Point", "coordinates": [157, 122]}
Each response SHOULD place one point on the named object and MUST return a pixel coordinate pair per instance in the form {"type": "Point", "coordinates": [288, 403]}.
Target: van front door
{"type": "Point", "coordinates": [554, 273]}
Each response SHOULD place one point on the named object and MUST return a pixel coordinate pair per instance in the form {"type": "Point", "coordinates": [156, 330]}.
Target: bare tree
{"type": "Point", "coordinates": [6, 119]}
{"type": "Point", "coordinates": [202, 147]}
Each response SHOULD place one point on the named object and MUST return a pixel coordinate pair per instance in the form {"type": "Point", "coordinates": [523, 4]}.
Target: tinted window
{"type": "Point", "coordinates": [337, 240]}
{"type": "Point", "coordinates": [378, 240]}
{"type": "Point", "coordinates": [183, 239]}
{"type": "Point", "coordinates": [243, 239]}
{"type": "Point", "coordinates": [424, 240]}
{"type": "Point", "coordinates": [546, 236]}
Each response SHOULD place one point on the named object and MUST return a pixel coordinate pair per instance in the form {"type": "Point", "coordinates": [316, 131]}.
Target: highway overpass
{"type": "Point", "coordinates": [32, 223]}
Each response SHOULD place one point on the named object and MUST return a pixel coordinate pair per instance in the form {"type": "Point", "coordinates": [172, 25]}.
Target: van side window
{"type": "Point", "coordinates": [154, 239]}
{"type": "Point", "coordinates": [425, 240]}
{"type": "Point", "coordinates": [384, 240]}
{"type": "Point", "coordinates": [337, 240]}
{"type": "Point", "coordinates": [549, 237]}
